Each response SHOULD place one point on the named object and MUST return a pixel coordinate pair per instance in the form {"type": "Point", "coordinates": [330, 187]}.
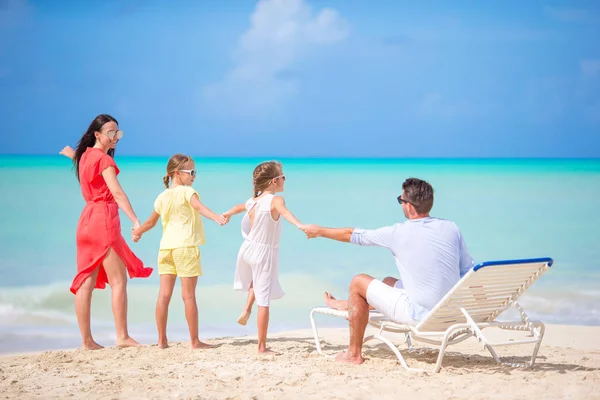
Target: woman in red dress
{"type": "Point", "coordinates": [102, 253]}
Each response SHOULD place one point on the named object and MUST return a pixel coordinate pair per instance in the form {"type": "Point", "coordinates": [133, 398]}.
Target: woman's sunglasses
{"type": "Point", "coordinates": [111, 134]}
{"type": "Point", "coordinates": [192, 172]}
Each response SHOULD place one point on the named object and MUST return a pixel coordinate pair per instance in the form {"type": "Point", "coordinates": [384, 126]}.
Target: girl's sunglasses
{"type": "Point", "coordinates": [192, 172]}
{"type": "Point", "coordinates": [280, 176]}
{"type": "Point", "coordinates": [111, 134]}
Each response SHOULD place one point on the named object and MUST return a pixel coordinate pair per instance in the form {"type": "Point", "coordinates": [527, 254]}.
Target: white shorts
{"type": "Point", "coordinates": [392, 302]}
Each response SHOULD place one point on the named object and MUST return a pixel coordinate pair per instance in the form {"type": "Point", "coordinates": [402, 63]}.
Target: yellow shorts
{"type": "Point", "coordinates": [183, 261]}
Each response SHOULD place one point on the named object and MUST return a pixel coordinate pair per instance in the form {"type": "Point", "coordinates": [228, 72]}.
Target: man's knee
{"type": "Point", "coordinates": [390, 281]}
{"type": "Point", "coordinates": [360, 283]}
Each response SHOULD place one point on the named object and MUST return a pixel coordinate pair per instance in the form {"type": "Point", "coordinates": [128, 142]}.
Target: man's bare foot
{"type": "Point", "coordinates": [347, 358]}
{"type": "Point", "coordinates": [91, 345]}
{"type": "Point", "coordinates": [332, 302]}
{"type": "Point", "coordinates": [128, 342]}
{"type": "Point", "coordinates": [267, 352]}
{"type": "Point", "coordinates": [197, 344]}
{"type": "Point", "coordinates": [163, 344]}
{"type": "Point", "coordinates": [243, 318]}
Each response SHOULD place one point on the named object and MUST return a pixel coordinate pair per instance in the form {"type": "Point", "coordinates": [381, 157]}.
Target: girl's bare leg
{"type": "Point", "coordinates": [83, 304]}
{"type": "Point", "coordinates": [263, 325]}
{"type": "Point", "coordinates": [117, 279]}
{"type": "Point", "coordinates": [167, 283]}
{"type": "Point", "coordinates": [243, 318]}
{"type": "Point", "coordinates": [188, 292]}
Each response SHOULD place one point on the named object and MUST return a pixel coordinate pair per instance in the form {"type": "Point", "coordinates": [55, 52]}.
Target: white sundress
{"type": "Point", "coordinates": [258, 258]}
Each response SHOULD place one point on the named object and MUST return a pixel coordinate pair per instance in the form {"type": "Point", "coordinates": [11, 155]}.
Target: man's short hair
{"type": "Point", "coordinates": [419, 193]}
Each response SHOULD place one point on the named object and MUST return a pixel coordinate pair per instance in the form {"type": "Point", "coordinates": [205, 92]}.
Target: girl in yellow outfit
{"type": "Point", "coordinates": [179, 208]}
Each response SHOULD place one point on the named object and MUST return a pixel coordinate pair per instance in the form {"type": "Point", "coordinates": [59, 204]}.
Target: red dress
{"type": "Point", "coordinates": [99, 226]}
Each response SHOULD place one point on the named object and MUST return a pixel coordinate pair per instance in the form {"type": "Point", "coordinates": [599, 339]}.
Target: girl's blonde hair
{"type": "Point", "coordinates": [263, 174]}
{"type": "Point", "coordinates": [176, 162]}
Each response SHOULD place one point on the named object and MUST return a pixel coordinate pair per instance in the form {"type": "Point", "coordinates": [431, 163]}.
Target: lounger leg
{"type": "Point", "coordinates": [479, 335]}
{"type": "Point", "coordinates": [394, 349]}
{"type": "Point", "coordinates": [493, 353]}
{"type": "Point", "coordinates": [316, 333]}
{"type": "Point", "coordinates": [533, 328]}
{"type": "Point", "coordinates": [438, 364]}
{"type": "Point", "coordinates": [542, 328]}
{"type": "Point", "coordinates": [409, 342]}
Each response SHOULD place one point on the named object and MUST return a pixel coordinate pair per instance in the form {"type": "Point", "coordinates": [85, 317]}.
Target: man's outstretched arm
{"type": "Point", "coordinates": [382, 237]}
{"type": "Point", "coordinates": [339, 234]}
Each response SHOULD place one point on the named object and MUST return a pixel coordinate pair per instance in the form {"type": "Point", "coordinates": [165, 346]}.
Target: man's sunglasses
{"type": "Point", "coordinates": [401, 200]}
{"type": "Point", "coordinates": [192, 172]}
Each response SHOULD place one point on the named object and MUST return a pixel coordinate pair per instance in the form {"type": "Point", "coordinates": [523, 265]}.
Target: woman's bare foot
{"type": "Point", "coordinates": [268, 352]}
{"type": "Point", "coordinates": [197, 344]}
{"type": "Point", "coordinates": [163, 344]}
{"type": "Point", "coordinates": [128, 342]}
{"type": "Point", "coordinates": [332, 302]}
{"type": "Point", "coordinates": [347, 358]}
{"type": "Point", "coordinates": [243, 318]}
{"type": "Point", "coordinates": [91, 345]}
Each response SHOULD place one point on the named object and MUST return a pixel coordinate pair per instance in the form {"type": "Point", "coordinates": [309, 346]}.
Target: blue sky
{"type": "Point", "coordinates": [296, 78]}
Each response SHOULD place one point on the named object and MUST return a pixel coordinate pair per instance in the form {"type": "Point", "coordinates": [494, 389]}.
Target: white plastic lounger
{"type": "Point", "coordinates": [471, 306]}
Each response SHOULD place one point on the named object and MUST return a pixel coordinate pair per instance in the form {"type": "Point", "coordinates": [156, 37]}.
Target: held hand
{"type": "Point", "coordinates": [136, 235]}
{"type": "Point", "coordinates": [221, 219]}
{"type": "Point", "coordinates": [67, 151]}
{"type": "Point", "coordinates": [227, 217]}
{"type": "Point", "coordinates": [135, 238]}
{"type": "Point", "coordinates": [311, 230]}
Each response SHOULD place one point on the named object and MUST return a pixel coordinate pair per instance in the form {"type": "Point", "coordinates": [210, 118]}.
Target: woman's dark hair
{"type": "Point", "coordinates": [89, 139]}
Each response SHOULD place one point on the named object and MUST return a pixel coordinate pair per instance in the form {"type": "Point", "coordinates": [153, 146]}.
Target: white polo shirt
{"type": "Point", "coordinates": [430, 254]}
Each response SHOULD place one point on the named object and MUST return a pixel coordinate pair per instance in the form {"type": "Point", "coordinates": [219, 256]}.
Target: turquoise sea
{"type": "Point", "coordinates": [505, 209]}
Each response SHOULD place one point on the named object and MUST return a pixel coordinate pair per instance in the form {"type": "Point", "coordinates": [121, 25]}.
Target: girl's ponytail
{"type": "Point", "coordinates": [175, 163]}
{"type": "Point", "coordinates": [263, 174]}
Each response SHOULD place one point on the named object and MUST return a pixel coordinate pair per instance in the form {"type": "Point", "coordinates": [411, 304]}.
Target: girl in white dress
{"type": "Point", "coordinates": [258, 259]}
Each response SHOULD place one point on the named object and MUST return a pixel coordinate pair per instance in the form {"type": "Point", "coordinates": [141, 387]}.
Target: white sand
{"type": "Point", "coordinates": [568, 367]}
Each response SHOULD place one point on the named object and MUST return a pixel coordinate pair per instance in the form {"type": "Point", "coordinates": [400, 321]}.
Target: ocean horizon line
{"type": "Point", "coordinates": [318, 158]}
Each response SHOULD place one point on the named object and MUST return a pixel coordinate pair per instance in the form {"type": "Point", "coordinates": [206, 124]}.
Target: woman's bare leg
{"type": "Point", "coordinates": [117, 279]}
{"type": "Point", "coordinates": [83, 305]}
{"type": "Point", "coordinates": [167, 282]}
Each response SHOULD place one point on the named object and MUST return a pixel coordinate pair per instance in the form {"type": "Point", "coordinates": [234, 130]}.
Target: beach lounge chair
{"type": "Point", "coordinates": [470, 307]}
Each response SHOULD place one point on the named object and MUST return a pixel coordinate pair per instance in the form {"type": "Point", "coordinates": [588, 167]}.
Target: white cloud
{"type": "Point", "coordinates": [281, 33]}
{"type": "Point", "coordinates": [590, 68]}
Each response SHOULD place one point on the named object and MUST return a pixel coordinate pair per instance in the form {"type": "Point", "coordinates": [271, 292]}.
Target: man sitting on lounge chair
{"type": "Point", "coordinates": [431, 257]}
